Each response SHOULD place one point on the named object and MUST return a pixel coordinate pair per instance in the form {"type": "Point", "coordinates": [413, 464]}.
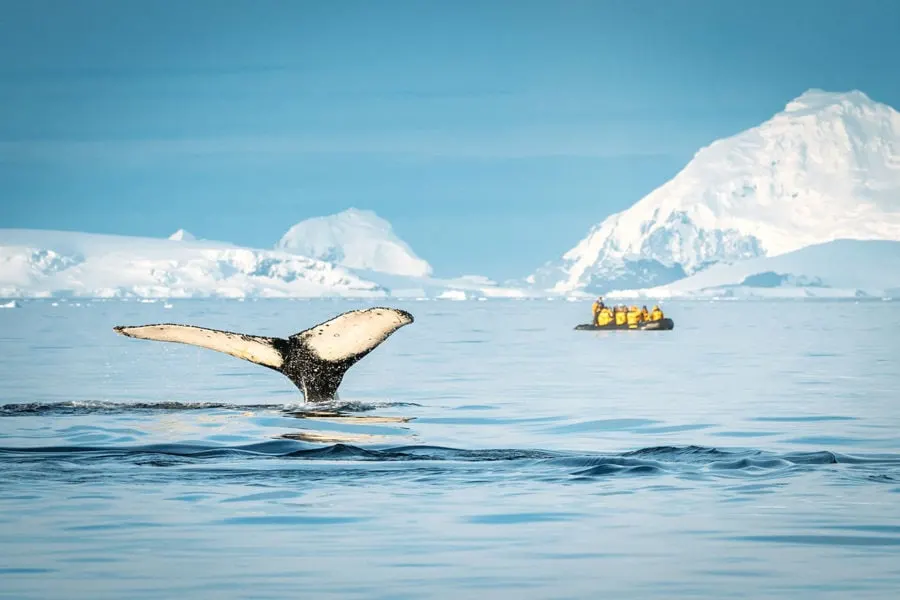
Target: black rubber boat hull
{"type": "Point", "coordinates": [665, 324]}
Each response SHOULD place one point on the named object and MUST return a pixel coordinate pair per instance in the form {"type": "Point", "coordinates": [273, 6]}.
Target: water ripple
{"type": "Point", "coordinates": [254, 460]}
{"type": "Point", "coordinates": [99, 407]}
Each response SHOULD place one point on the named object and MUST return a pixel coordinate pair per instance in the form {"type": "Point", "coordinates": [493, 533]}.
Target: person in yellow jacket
{"type": "Point", "coordinates": [604, 317]}
{"type": "Point", "coordinates": [645, 314]}
{"type": "Point", "coordinates": [620, 315]}
{"type": "Point", "coordinates": [597, 306]}
{"type": "Point", "coordinates": [656, 314]}
{"type": "Point", "coordinates": [633, 317]}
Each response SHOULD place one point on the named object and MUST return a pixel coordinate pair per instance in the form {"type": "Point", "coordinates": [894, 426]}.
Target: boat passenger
{"type": "Point", "coordinates": [633, 317]}
{"type": "Point", "coordinates": [604, 317]}
{"type": "Point", "coordinates": [645, 314]}
{"type": "Point", "coordinates": [620, 315]}
{"type": "Point", "coordinates": [597, 306]}
{"type": "Point", "coordinates": [656, 314]}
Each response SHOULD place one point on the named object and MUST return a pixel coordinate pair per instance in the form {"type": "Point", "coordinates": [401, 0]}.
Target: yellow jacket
{"type": "Point", "coordinates": [604, 317]}
{"type": "Point", "coordinates": [634, 317]}
{"type": "Point", "coordinates": [656, 315]}
{"type": "Point", "coordinates": [620, 317]}
{"type": "Point", "coordinates": [645, 314]}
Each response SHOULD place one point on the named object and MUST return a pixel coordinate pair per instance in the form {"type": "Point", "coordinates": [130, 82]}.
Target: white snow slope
{"type": "Point", "coordinates": [458, 288]}
{"type": "Point", "coordinates": [358, 239]}
{"type": "Point", "coordinates": [40, 263]}
{"type": "Point", "coordinates": [842, 268]}
{"type": "Point", "coordinates": [825, 168]}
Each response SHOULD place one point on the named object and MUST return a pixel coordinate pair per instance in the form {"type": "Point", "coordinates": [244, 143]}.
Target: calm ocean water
{"type": "Point", "coordinates": [753, 452]}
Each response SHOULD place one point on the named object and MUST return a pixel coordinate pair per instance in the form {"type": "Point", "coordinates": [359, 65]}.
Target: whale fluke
{"type": "Point", "coordinates": [264, 351]}
{"type": "Point", "coordinates": [315, 359]}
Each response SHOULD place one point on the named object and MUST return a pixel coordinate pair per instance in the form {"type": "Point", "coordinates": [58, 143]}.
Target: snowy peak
{"type": "Point", "coordinates": [182, 236]}
{"type": "Point", "coordinates": [356, 239]}
{"type": "Point", "coordinates": [825, 168]}
{"type": "Point", "coordinates": [816, 100]}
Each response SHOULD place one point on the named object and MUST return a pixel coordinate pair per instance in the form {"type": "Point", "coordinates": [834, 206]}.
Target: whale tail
{"type": "Point", "coordinates": [315, 359]}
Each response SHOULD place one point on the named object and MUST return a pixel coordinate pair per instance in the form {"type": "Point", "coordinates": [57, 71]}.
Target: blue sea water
{"type": "Point", "coordinates": [753, 452]}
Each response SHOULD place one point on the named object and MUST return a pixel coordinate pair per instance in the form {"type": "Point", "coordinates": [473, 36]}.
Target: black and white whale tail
{"type": "Point", "coordinates": [315, 360]}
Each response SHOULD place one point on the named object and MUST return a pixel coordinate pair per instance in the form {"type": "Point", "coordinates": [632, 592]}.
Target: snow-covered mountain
{"type": "Point", "coordinates": [182, 236]}
{"type": "Point", "coordinates": [40, 263]}
{"type": "Point", "coordinates": [827, 167]}
{"type": "Point", "coordinates": [842, 268]}
{"type": "Point", "coordinates": [357, 239]}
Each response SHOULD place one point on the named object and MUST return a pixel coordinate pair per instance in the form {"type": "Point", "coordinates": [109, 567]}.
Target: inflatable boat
{"type": "Point", "coordinates": [664, 324]}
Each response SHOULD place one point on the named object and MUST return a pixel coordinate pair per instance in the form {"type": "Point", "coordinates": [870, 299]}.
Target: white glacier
{"type": "Point", "coordinates": [825, 168]}
{"type": "Point", "coordinates": [357, 239]}
{"type": "Point", "coordinates": [41, 263]}
{"type": "Point", "coordinates": [841, 268]}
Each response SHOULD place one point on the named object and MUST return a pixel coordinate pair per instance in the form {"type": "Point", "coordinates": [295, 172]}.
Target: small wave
{"type": "Point", "coordinates": [689, 453]}
{"type": "Point", "coordinates": [88, 456]}
{"type": "Point", "coordinates": [656, 460]}
{"type": "Point", "coordinates": [345, 407]}
{"type": "Point", "coordinates": [282, 449]}
{"type": "Point", "coordinates": [100, 407]}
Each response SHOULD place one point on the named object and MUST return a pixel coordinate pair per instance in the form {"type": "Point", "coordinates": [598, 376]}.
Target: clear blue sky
{"type": "Point", "coordinates": [491, 134]}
